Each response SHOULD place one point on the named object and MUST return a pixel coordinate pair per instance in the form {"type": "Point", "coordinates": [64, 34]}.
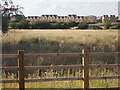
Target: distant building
{"type": "Point", "coordinates": [17, 18]}
{"type": "Point", "coordinates": [12, 19]}
{"type": "Point", "coordinates": [105, 18]}
{"type": "Point", "coordinates": [55, 18]}
{"type": "Point", "coordinates": [99, 19]}
{"type": "Point", "coordinates": [111, 18]}
{"type": "Point", "coordinates": [91, 19]}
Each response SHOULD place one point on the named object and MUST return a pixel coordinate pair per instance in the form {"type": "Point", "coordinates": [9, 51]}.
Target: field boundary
{"type": "Point", "coordinates": [85, 66]}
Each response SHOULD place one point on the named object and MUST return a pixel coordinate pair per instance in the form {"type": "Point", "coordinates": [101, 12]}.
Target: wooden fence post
{"type": "Point", "coordinates": [85, 63]}
{"type": "Point", "coordinates": [21, 69]}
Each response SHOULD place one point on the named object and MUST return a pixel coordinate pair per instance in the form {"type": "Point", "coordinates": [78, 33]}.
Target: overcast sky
{"type": "Point", "coordinates": [62, 7]}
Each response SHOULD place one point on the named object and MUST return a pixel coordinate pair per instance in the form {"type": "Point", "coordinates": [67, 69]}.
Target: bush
{"type": "Point", "coordinates": [20, 25]}
{"type": "Point", "coordinates": [94, 27]}
{"type": "Point", "coordinates": [13, 25]}
{"type": "Point", "coordinates": [83, 26]}
{"type": "Point", "coordinates": [23, 25]}
{"type": "Point", "coordinates": [19, 18]}
{"type": "Point", "coordinates": [117, 26]}
{"type": "Point", "coordinates": [107, 25]}
{"type": "Point", "coordinates": [40, 25]}
{"type": "Point", "coordinates": [72, 24]}
{"type": "Point", "coordinates": [58, 25]}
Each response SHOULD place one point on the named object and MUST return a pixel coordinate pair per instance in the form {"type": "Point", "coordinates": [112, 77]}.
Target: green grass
{"type": "Point", "coordinates": [66, 84]}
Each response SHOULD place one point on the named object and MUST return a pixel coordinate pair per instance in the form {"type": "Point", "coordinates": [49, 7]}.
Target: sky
{"type": "Point", "coordinates": [65, 7]}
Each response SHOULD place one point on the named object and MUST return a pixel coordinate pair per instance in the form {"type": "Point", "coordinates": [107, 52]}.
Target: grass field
{"type": "Point", "coordinates": [74, 35]}
{"type": "Point", "coordinates": [45, 41]}
{"type": "Point", "coordinates": [36, 41]}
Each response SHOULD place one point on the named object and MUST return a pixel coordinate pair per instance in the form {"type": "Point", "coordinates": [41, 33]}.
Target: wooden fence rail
{"type": "Point", "coordinates": [85, 66]}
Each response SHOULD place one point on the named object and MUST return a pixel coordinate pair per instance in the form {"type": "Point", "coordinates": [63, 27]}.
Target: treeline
{"type": "Point", "coordinates": [42, 25]}
{"type": "Point", "coordinates": [51, 25]}
{"type": "Point", "coordinates": [60, 25]}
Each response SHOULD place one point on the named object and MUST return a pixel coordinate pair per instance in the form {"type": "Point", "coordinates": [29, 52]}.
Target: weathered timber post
{"type": "Point", "coordinates": [21, 69]}
{"type": "Point", "coordinates": [85, 63]}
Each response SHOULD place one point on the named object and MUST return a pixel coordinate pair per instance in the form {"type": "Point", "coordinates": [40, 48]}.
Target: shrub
{"type": "Point", "coordinates": [19, 18]}
{"type": "Point", "coordinates": [117, 26]}
{"type": "Point", "coordinates": [13, 25]}
{"type": "Point", "coordinates": [83, 26]}
{"type": "Point", "coordinates": [72, 24]}
{"type": "Point", "coordinates": [58, 25]}
{"type": "Point", "coordinates": [20, 25]}
{"type": "Point", "coordinates": [34, 40]}
{"type": "Point", "coordinates": [40, 25]}
{"type": "Point", "coordinates": [107, 25]}
{"type": "Point", "coordinates": [94, 27]}
{"type": "Point", "coordinates": [23, 25]}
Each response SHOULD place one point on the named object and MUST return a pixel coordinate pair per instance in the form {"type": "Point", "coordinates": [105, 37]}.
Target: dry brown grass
{"type": "Point", "coordinates": [74, 35]}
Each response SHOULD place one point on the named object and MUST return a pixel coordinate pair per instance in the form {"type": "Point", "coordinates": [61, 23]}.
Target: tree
{"type": "Point", "coordinates": [5, 24]}
{"type": "Point", "coordinates": [19, 18]}
{"type": "Point", "coordinates": [7, 10]}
